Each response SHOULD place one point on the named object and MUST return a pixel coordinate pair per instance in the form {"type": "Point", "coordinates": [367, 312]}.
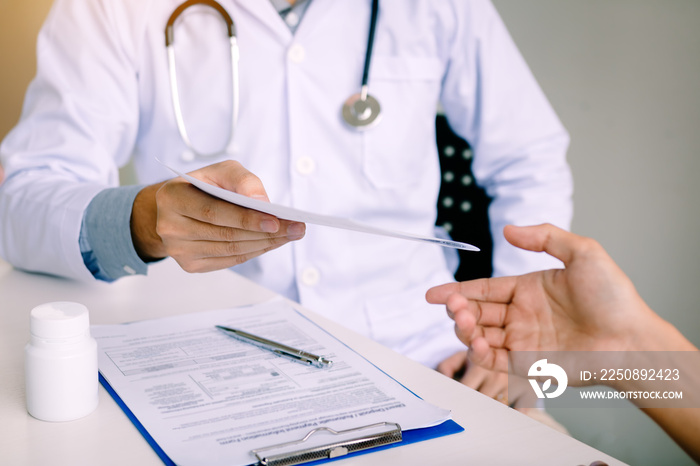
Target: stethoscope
{"type": "Point", "coordinates": [360, 111]}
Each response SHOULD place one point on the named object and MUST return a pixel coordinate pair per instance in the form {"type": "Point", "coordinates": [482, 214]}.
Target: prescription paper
{"type": "Point", "coordinates": [209, 399]}
{"type": "Point", "coordinates": [289, 213]}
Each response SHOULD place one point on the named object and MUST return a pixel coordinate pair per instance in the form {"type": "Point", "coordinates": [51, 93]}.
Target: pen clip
{"type": "Point", "coordinates": [297, 357]}
{"type": "Point", "coordinates": [280, 349]}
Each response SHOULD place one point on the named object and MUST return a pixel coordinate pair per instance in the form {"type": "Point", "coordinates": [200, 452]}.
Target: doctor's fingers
{"type": "Point", "coordinates": [185, 228]}
{"type": "Point", "coordinates": [232, 176]}
{"type": "Point", "coordinates": [178, 197]}
{"type": "Point", "coordinates": [206, 256]}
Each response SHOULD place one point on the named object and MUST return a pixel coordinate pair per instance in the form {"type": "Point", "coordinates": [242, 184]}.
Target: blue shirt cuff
{"type": "Point", "coordinates": [105, 235]}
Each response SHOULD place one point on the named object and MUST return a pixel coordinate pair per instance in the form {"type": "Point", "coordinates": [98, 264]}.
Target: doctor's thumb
{"type": "Point", "coordinates": [233, 176]}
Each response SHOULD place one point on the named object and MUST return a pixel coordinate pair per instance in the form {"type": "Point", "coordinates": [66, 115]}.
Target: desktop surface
{"type": "Point", "coordinates": [494, 434]}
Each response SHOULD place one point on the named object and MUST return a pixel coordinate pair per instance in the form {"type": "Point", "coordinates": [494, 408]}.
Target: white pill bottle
{"type": "Point", "coordinates": [61, 363]}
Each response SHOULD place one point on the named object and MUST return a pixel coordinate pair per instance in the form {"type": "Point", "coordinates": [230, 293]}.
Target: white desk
{"type": "Point", "coordinates": [494, 435]}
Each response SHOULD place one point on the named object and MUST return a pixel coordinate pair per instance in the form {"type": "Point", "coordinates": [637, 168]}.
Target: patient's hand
{"type": "Point", "coordinates": [491, 383]}
{"type": "Point", "coordinates": [589, 305]}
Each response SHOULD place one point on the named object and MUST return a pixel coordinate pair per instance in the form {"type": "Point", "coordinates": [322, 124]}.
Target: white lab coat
{"type": "Point", "coordinates": [101, 97]}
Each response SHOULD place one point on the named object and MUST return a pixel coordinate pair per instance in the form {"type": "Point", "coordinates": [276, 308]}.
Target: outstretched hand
{"type": "Point", "coordinates": [589, 305]}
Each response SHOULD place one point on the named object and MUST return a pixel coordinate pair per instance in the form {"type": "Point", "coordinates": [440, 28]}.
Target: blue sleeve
{"type": "Point", "coordinates": [105, 235]}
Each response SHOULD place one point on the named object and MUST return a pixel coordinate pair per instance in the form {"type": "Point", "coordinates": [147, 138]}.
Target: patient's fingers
{"type": "Point", "coordinates": [484, 355]}
{"type": "Point", "coordinates": [453, 365]}
{"type": "Point", "coordinates": [499, 290]}
{"type": "Point", "coordinates": [467, 333]}
{"type": "Point", "coordinates": [548, 238]}
{"type": "Point", "coordinates": [485, 313]}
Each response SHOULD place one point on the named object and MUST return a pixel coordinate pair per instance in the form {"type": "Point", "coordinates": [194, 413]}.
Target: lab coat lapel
{"type": "Point", "coordinates": [313, 16]}
{"type": "Point", "coordinates": [267, 15]}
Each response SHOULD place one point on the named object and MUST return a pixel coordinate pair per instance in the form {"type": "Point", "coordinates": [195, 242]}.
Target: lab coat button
{"type": "Point", "coordinates": [292, 19]}
{"type": "Point", "coordinates": [296, 53]}
{"type": "Point", "coordinates": [310, 276]}
{"type": "Point", "coordinates": [305, 165]}
{"type": "Point", "coordinates": [187, 155]}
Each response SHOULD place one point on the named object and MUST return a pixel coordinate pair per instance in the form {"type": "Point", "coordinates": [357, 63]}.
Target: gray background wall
{"type": "Point", "coordinates": [624, 76]}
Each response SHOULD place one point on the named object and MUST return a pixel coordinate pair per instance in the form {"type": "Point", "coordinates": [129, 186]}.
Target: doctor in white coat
{"type": "Point", "coordinates": [102, 97]}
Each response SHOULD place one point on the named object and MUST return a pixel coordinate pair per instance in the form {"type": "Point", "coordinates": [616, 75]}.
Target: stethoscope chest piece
{"type": "Point", "coordinates": [361, 111]}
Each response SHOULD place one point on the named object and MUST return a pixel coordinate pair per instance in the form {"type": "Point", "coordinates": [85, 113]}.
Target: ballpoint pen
{"type": "Point", "coordinates": [277, 348]}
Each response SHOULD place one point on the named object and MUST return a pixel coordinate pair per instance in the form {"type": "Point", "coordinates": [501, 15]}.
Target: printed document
{"type": "Point", "coordinates": [209, 399]}
{"type": "Point", "coordinates": [289, 213]}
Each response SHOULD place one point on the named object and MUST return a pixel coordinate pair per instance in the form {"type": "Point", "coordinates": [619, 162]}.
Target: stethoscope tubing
{"type": "Point", "coordinates": [174, 91]}
{"type": "Point", "coordinates": [370, 42]}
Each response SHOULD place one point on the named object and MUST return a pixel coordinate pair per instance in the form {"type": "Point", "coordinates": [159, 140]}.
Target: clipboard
{"type": "Point", "coordinates": [344, 431]}
{"type": "Point", "coordinates": [275, 455]}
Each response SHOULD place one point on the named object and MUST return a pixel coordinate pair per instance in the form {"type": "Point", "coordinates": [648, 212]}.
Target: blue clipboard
{"type": "Point", "coordinates": [448, 427]}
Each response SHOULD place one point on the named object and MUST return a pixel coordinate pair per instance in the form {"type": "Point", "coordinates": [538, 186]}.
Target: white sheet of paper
{"type": "Point", "coordinates": [208, 398]}
{"type": "Point", "coordinates": [289, 213]}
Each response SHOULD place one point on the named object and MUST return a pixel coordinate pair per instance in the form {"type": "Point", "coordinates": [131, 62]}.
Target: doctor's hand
{"type": "Point", "coordinates": [203, 233]}
{"type": "Point", "coordinates": [590, 305]}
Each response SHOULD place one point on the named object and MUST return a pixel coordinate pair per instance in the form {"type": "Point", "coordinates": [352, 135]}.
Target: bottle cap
{"type": "Point", "coordinates": [59, 320]}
